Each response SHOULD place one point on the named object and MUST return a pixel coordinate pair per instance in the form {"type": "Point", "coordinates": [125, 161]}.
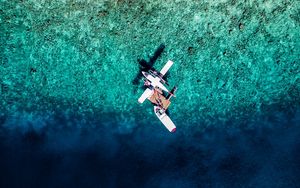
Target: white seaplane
{"type": "Point", "coordinates": [155, 93]}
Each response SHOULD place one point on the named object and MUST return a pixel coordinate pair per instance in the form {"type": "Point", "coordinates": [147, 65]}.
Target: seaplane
{"type": "Point", "coordinates": [156, 91]}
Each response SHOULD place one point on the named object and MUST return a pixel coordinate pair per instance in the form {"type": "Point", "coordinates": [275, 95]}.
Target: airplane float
{"type": "Point", "coordinates": [155, 93]}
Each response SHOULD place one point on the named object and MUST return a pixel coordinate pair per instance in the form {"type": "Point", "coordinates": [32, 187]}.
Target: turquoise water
{"type": "Point", "coordinates": [71, 64]}
{"type": "Point", "coordinates": [228, 56]}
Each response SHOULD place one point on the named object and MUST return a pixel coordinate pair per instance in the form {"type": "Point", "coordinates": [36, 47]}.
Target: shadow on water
{"type": "Point", "coordinates": [146, 66]}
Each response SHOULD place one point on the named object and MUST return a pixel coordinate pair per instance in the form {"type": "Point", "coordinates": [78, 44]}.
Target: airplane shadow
{"type": "Point", "coordinates": [146, 66]}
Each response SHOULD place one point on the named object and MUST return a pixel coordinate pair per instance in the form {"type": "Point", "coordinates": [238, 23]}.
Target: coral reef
{"type": "Point", "coordinates": [232, 59]}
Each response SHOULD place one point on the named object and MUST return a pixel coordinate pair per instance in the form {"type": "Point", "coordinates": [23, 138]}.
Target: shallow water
{"type": "Point", "coordinates": [69, 114]}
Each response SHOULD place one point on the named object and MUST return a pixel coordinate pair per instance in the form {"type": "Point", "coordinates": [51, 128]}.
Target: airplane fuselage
{"type": "Point", "coordinates": [155, 81]}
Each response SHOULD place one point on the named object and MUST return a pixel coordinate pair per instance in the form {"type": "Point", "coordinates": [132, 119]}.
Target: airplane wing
{"type": "Point", "coordinates": [147, 93]}
{"type": "Point", "coordinates": [166, 67]}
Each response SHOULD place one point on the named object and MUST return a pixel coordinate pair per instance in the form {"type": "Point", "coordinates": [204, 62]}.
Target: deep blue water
{"type": "Point", "coordinates": [66, 153]}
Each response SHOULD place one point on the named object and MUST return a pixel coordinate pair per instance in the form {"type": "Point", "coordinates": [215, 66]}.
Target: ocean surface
{"type": "Point", "coordinates": [69, 84]}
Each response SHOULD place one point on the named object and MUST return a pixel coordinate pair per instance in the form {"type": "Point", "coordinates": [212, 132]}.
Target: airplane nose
{"type": "Point", "coordinates": [145, 74]}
